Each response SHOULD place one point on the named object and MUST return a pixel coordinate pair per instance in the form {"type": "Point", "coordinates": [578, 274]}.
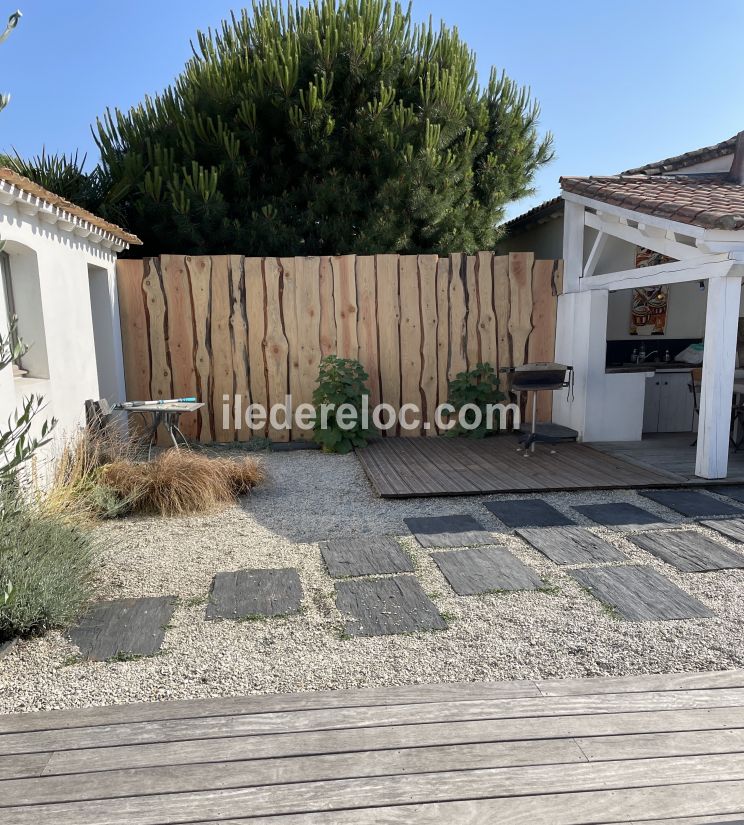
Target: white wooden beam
{"type": "Point", "coordinates": [573, 246]}
{"type": "Point", "coordinates": [631, 215]}
{"type": "Point", "coordinates": [719, 359]}
{"type": "Point", "coordinates": [596, 253]}
{"type": "Point", "coordinates": [676, 272]}
{"type": "Point", "coordinates": [721, 246]}
{"type": "Point", "coordinates": [658, 243]}
{"type": "Point", "coordinates": [652, 231]}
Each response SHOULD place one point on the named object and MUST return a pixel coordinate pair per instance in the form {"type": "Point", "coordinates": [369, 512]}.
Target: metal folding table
{"type": "Point", "coordinates": [167, 414]}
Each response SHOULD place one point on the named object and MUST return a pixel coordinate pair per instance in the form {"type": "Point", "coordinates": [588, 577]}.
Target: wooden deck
{"type": "Point", "coordinates": [406, 467]}
{"type": "Point", "coordinates": [525, 753]}
{"type": "Point", "coordinates": [671, 453]}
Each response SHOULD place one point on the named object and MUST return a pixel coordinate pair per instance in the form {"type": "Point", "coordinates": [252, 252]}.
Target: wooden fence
{"type": "Point", "coordinates": [222, 325]}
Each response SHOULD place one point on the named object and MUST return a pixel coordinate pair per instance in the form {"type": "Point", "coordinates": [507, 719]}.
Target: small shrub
{"type": "Point", "coordinates": [341, 381]}
{"type": "Point", "coordinates": [46, 571]}
{"type": "Point", "coordinates": [179, 482]}
{"type": "Point", "coordinates": [479, 386]}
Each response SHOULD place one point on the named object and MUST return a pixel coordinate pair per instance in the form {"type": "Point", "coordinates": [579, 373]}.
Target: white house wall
{"type": "Point", "coordinates": [63, 260]}
{"type": "Point", "coordinates": [545, 240]}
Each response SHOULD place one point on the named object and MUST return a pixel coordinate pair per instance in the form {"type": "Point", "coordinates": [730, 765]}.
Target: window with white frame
{"type": "Point", "coordinates": [10, 307]}
{"type": "Point", "coordinates": [22, 293]}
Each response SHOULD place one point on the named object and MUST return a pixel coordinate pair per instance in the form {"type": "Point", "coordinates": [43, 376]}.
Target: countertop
{"type": "Point", "coordinates": [651, 366]}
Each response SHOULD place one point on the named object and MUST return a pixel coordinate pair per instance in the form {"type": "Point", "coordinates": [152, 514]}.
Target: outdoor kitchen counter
{"type": "Point", "coordinates": [651, 367]}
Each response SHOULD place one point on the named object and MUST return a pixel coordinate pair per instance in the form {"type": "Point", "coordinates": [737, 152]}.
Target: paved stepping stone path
{"type": "Point", "coordinates": [485, 569]}
{"type": "Point", "coordinates": [693, 503]}
{"type": "Point", "coordinates": [736, 492]}
{"type": "Point", "coordinates": [640, 593]}
{"type": "Point", "coordinates": [124, 627]}
{"type": "Point", "coordinates": [527, 512]}
{"type": "Point", "coordinates": [621, 514]}
{"type": "Point", "coordinates": [7, 646]}
{"type": "Point", "coordinates": [571, 545]}
{"type": "Point", "coordinates": [245, 593]}
{"type": "Point", "coordinates": [364, 556]}
{"type": "Point", "coordinates": [381, 607]}
{"type": "Point", "coordinates": [448, 531]}
{"type": "Point", "coordinates": [689, 551]}
{"type": "Point", "coordinates": [732, 528]}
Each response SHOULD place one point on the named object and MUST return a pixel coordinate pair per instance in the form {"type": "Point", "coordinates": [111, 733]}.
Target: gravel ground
{"type": "Point", "coordinates": [309, 497]}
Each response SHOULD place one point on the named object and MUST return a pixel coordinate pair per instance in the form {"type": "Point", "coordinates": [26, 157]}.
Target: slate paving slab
{"type": "Point", "coordinates": [485, 569]}
{"type": "Point", "coordinates": [364, 556]}
{"type": "Point", "coordinates": [527, 512]}
{"type": "Point", "coordinates": [640, 594]}
{"type": "Point", "coordinates": [571, 545]}
{"type": "Point", "coordinates": [732, 528]}
{"type": "Point", "coordinates": [7, 646]}
{"type": "Point", "coordinates": [736, 492]}
{"type": "Point", "coordinates": [242, 594]}
{"type": "Point", "coordinates": [692, 503]}
{"type": "Point", "coordinates": [622, 515]}
{"type": "Point", "coordinates": [123, 627]}
{"type": "Point", "coordinates": [382, 607]}
{"type": "Point", "coordinates": [448, 531]}
{"type": "Point", "coordinates": [689, 551]}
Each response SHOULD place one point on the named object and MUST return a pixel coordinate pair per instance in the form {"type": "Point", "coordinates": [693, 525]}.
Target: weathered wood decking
{"type": "Point", "coordinates": [525, 753]}
{"type": "Point", "coordinates": [672, 453]}
{"type": "Point", "coordinates": [407, 467]}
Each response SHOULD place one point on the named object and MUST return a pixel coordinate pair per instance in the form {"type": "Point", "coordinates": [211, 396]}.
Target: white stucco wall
{"type": "Point", "coordinates": [51, 271]}
{"type": "Point", "coordinates": [685, 314]}
{"type": "Point", "coordinates": [545, 240]}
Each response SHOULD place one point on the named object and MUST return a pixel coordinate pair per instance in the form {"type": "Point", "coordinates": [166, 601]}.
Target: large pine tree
{"type": "Point", "coordinates": [328, 128]}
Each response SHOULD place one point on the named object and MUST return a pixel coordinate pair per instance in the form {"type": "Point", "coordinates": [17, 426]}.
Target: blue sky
{"type": "Point", "coordinates": [620, 82]}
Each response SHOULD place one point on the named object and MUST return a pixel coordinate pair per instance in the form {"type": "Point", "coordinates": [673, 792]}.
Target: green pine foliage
{"type": "Point", "coordinates": [333, 127]}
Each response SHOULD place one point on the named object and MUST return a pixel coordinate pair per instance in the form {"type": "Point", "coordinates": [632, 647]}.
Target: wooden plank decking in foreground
{"type": "Point", "coordinates": [407, 467]}
{"type": "Point", "coordinates": [620, 750]}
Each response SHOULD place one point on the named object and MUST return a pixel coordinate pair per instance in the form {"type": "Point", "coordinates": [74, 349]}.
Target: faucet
{"type": "Point", "coordinates": [644, 356]}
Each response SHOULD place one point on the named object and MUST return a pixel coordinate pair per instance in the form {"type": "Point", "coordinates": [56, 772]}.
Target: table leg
{"type": "Point", "coordinates": [157, 419]}
{"type": "Point", "coordinates": [534, 419]}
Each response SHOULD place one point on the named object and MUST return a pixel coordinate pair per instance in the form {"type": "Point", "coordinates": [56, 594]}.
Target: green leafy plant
{"type": "Point", "coordinates": [50, 565]}
{"type": "Point", "coordinates": [64, 175]}
{"type": "Point", "coordinates": [17, 444]}
{"type": "Point", "coordinates": [13, 21]}
{"type": "Point", "coordinates": [342, 382]}
{"type": "Point", "coordinates": [478, 387]}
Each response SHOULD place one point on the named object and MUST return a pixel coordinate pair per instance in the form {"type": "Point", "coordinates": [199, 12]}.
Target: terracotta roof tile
{"type": "Point", "coordinates": [708, 201]}
{"type": "Point", "coordinates": [27, 185]}
{"type": "Point", "coordinates": [554, 206]}
{"type": "Point", "coordinates": [543, 211]}
{"type": "Point", "coordinates": [677, 162]}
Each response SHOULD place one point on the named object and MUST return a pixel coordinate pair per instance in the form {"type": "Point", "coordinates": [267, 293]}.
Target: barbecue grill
{"type": "Point", "coordinates": [535, 378]}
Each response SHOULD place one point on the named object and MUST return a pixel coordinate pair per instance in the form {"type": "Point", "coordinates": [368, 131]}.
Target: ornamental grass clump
{"type": "Point", "coordinates": [46, 571]}
{"type": "Point", "coordinates": [76, 491]}
{"type": "Point", "coordinates": [181, 482]}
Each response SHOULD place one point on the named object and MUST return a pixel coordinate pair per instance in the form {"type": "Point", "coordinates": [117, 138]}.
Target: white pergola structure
{"type": "Point", "coordinates": [698, 221]}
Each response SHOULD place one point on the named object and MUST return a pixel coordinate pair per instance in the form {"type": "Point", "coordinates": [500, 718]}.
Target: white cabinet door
{"type": "Point", "coordinates": [651, 404]}
{"type": "Point", "coordinates": [676, 406]}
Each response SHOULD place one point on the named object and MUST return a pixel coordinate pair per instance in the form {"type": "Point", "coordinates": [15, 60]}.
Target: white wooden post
{"type": "Point", "coordinates": [580, 341]}
{"type": "Point", "coordinates": [573, 246]}
{"type": "Point", "coordinates": [719, 359]}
